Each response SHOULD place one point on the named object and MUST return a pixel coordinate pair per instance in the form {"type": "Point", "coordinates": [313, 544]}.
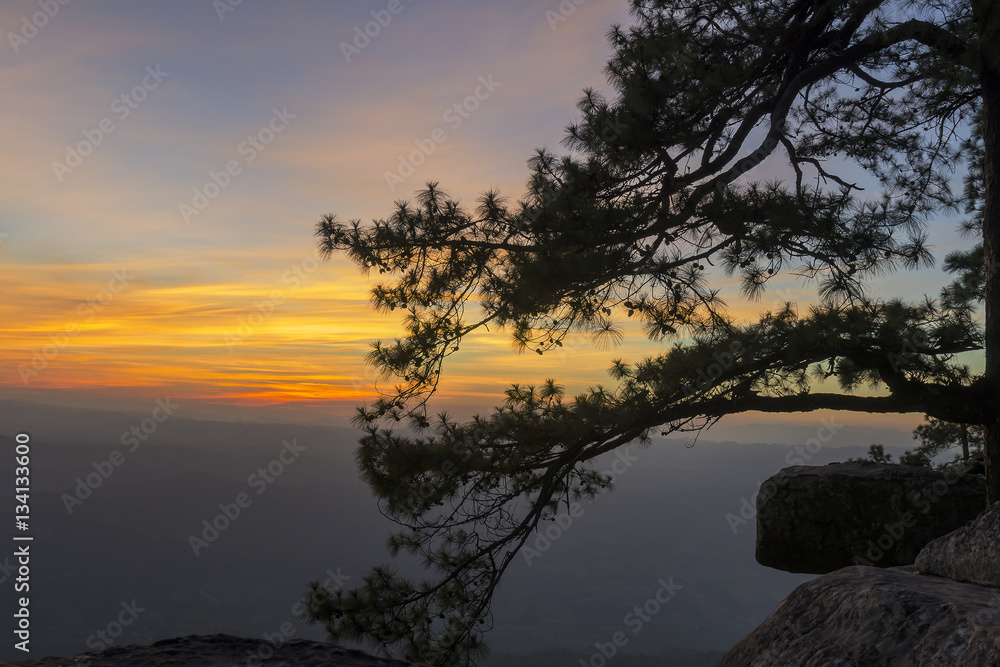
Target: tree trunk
{"type": "Point", "coordinates": [987, 14]}
{"type": "Point", "coordinates": [965, 442]}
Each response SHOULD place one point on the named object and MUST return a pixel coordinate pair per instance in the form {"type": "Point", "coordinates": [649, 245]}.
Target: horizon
{"type": "Point", "coordinates": [737, 429]}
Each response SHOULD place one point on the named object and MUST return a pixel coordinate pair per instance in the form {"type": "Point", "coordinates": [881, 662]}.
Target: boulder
{"type": "Point", "coordinates": [971, 553]}
{"type": "Point", "coordinates": [817, 519]}
{"type": "Point", "coordinates": [870, 616]}
{"type": "Point", "coordinates": [222, 651]}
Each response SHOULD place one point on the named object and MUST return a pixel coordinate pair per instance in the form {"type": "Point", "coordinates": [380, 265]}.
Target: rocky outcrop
{"type": "Point", "coordinates": [222, 651]}
{"type": "Point", "coordinates": [870, 616]}
{"type": "Point", "coordinates": [971, 553]}
{"type": "Point", "coordinates": [817, 519]}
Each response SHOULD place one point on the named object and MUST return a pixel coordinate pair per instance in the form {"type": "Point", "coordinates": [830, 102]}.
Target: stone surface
{"type": "Point", "coordinates": [971, 553]}
{"type": "Point", "coordinates": [870, 616]}
{"type": "Point", "coordinates": [222, 651]}
{"type": "Point", "coordinates": [817, 519]}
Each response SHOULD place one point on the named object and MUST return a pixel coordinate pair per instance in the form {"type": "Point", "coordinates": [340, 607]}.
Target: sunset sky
{"type": "Point", "coordinates": [122, 285]}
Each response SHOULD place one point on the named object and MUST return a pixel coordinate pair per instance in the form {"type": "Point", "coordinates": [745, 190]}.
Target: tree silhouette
{"type": "Point", "coordinates": [936, 437]}
{"type": "Point", "coordinates": [871, 106]}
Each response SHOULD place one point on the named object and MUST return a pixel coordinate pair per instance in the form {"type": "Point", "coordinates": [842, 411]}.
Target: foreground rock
{"type": "Point", "coordinates": [818, 519]}
{"type": "Point", "coordinates": [971, 553]}
{"type": "Point", "coordinates": [222, 651]}
{"type": "Point", "coordinates": [870, 616]}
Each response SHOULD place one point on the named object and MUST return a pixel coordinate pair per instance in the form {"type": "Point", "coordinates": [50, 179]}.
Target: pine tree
{"type": "Point", "coordinates": [872, 105]}
{"type": "Point", "coordinates": [937, 437]}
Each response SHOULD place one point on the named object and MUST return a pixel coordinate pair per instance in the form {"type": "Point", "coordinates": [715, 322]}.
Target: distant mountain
{"type": "Point", "coordinates": [131, 543]}
{"type": "Point", "coordinates": [795, 434]}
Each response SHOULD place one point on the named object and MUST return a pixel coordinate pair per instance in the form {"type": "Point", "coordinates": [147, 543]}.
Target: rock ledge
{"type": "Point", "coordinates": [877, 617]}
{"type": "Point", "coordinates": [818, 519]}
{"type": "Point", "coordinates": [971, 553]}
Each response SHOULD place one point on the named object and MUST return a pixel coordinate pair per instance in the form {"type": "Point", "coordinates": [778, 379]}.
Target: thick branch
{"type": "Point", "coordinates": [956, 404]}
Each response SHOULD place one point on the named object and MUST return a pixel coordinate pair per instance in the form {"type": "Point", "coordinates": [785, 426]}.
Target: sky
{"type": "Point", "coordinates": [166, 164]}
